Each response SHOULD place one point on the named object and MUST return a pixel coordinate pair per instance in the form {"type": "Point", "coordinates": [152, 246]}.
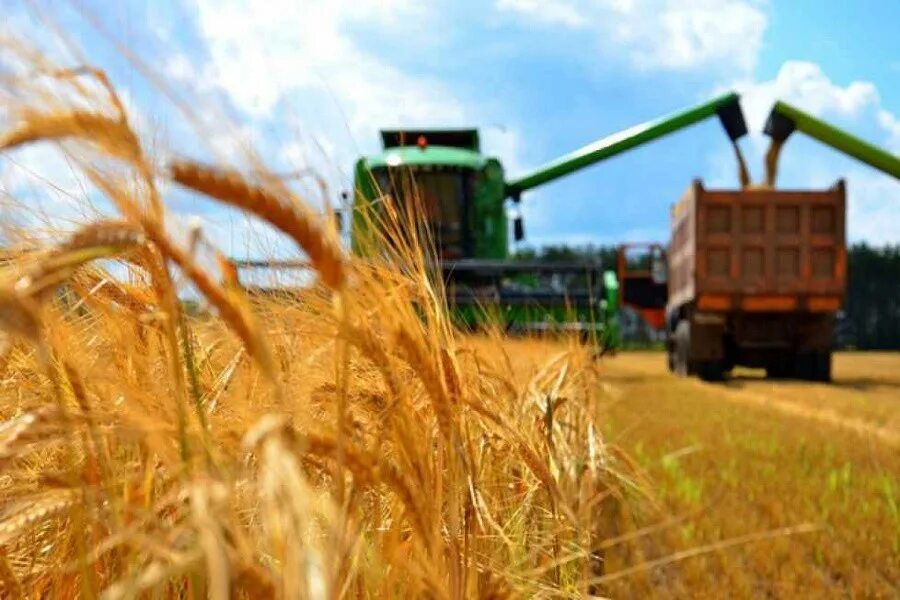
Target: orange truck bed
{"type": "Point", "coordinates": [758, 250]}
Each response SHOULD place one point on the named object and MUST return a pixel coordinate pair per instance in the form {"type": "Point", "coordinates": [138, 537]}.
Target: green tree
{"type": "Point", "coordinates": [871, 317]}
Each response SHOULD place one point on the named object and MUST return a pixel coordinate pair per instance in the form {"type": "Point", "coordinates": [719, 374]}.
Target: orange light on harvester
{"type": "Point", "coordinates": [422, 142]}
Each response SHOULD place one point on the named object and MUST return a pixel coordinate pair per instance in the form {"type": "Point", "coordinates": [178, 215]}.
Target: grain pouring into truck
{"type": "Point", "coordinates": [757, 275]}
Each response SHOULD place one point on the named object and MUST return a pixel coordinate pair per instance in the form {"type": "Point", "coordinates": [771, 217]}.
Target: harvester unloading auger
{"type": "Point", "coordinates": [785, 119]}
{"type": "Point", "coordinates": [463, 195]}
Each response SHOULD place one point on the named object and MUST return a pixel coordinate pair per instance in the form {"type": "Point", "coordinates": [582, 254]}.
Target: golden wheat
{"type": "Point", "coordinates": [334, 445]}
{"type": "Point", "coordinates": [283, 211]}
{"type": "Point", "coordinates": [111, 135]}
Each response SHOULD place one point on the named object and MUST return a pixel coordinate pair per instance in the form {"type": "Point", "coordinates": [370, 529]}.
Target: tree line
{"type": "Point", "coordinates": [871, 316]}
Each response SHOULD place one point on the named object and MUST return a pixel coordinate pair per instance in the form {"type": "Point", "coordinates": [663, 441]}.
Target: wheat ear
{"type": "Point", "coordinates": [101, 239]}
{"type": "Point", "coordinates": [113, 136]}
{"type": "Point", "coordinates": [282, 210]}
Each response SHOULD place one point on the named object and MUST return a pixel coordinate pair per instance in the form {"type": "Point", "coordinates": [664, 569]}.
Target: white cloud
{"type": "Point", "coordinates": [873, 207]}
{"type": "Point", "coordinates": [307, 59]}
{"type": "Point", "coordinates": [553, 12]}
{"type": "Point", "coordinates": [662, 34]}
{"type": "Point", "coordinates": [179, 67]}
{"type": "Point", "coordinates": [504, 144]}
{"type": "Point", "coordinates": [890, 123]}
{"type": "Point", "coordinates": [695, 33]}
{"type": "Point", "coordinates": [264, 52]}
{"type": "Point", "coordinates": [806, 85]}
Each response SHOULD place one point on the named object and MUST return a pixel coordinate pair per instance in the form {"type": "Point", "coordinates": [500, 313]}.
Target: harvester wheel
{"type": "Point", "coordinates": [681, 350]}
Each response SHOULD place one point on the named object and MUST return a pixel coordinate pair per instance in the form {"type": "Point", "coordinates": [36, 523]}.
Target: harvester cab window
{"type": "Point", "coordinates": [442, 197]}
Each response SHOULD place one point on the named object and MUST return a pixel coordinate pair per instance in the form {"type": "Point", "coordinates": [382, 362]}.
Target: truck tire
{"type": "Point", "coordinates": [710, 370]}
{"type": "Point", "coordinates": [822, 366]}
{"type": "Point", "coordinates": [804, 367]}
{"type": "Point", "coordinates": [814, 365]}
{"type": "Point", "coordinates": [731, 352]}
{"type": "Point", "coordinates": [781, 366]}
{"type": "Point", "coordinates": [681, 348]}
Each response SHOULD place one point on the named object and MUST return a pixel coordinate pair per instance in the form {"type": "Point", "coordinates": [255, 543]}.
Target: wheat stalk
{"type": "Point", "coordinates": [368, 470]}
{"type": "Point", "coordinates": [112, 135]}
{"type": "Point", "coordinates": [101, 239]}
{"type": "Point", "coordinates": [19, 314]}
{"type": "Point", "coordinates": [434, 443]}
{"type": "Point", "coordinates": [280, 209]}
{"type": "Point", "coordinates": [205, 499]}
{"type": "Point", "coordinates": [48, 505]}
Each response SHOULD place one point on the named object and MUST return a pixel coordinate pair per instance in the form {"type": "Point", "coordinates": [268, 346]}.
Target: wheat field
{"type": "Point", "coordinates": [345, 440]}
{"type": "Point", "coordinates": [341, 441]}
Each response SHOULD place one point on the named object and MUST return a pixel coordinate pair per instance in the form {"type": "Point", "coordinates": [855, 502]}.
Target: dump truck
{"type": "Point", "coordinates": [464, 198]}
{"type": "Point", "coordinates": [755, 279]}
{"type": "Point", "coordinates": [757, 275]}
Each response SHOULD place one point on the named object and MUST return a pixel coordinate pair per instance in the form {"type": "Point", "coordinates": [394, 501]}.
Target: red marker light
{"type": "Point", "coordinates": [422, 142]}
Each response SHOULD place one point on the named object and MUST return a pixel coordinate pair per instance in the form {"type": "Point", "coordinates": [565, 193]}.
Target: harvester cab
{"type": "Point", "coordinates": [463, 199]}
{"type": "Point", "coordinates": [439, 170]}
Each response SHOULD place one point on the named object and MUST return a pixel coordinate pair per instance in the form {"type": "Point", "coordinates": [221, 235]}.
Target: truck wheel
{"type": "Point", "coordinates": [731, 353]}
{"type": "Point", "coordinates": [781, 367]}
{"type": "Point", "coordinates": [813, 366]}
{"type": "Point", "coordinates": [804, 366]}
{"type": "Point", "coordinates": [822, 363]}
{"type": "Point", "coordinates": [681, 350]}
{"type": "Point", "coordinates": [710, 370]}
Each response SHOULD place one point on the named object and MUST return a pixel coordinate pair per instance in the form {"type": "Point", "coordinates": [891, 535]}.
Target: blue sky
{"type": "Point", "coordinates": [310, 82]}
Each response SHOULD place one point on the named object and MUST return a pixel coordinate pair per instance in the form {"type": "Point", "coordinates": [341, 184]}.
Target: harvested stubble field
{"type": "Point", "coordinates": [728, 461]}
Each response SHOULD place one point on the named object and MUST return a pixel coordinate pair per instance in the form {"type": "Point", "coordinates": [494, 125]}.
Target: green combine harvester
{"type": "Point", "coordinates": [463, 197]}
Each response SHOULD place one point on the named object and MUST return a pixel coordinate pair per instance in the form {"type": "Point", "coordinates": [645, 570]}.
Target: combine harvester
{"type": "Point", "coordinates": [463, 195]}
{"type": "Point", "coordinates": [757, 275]}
